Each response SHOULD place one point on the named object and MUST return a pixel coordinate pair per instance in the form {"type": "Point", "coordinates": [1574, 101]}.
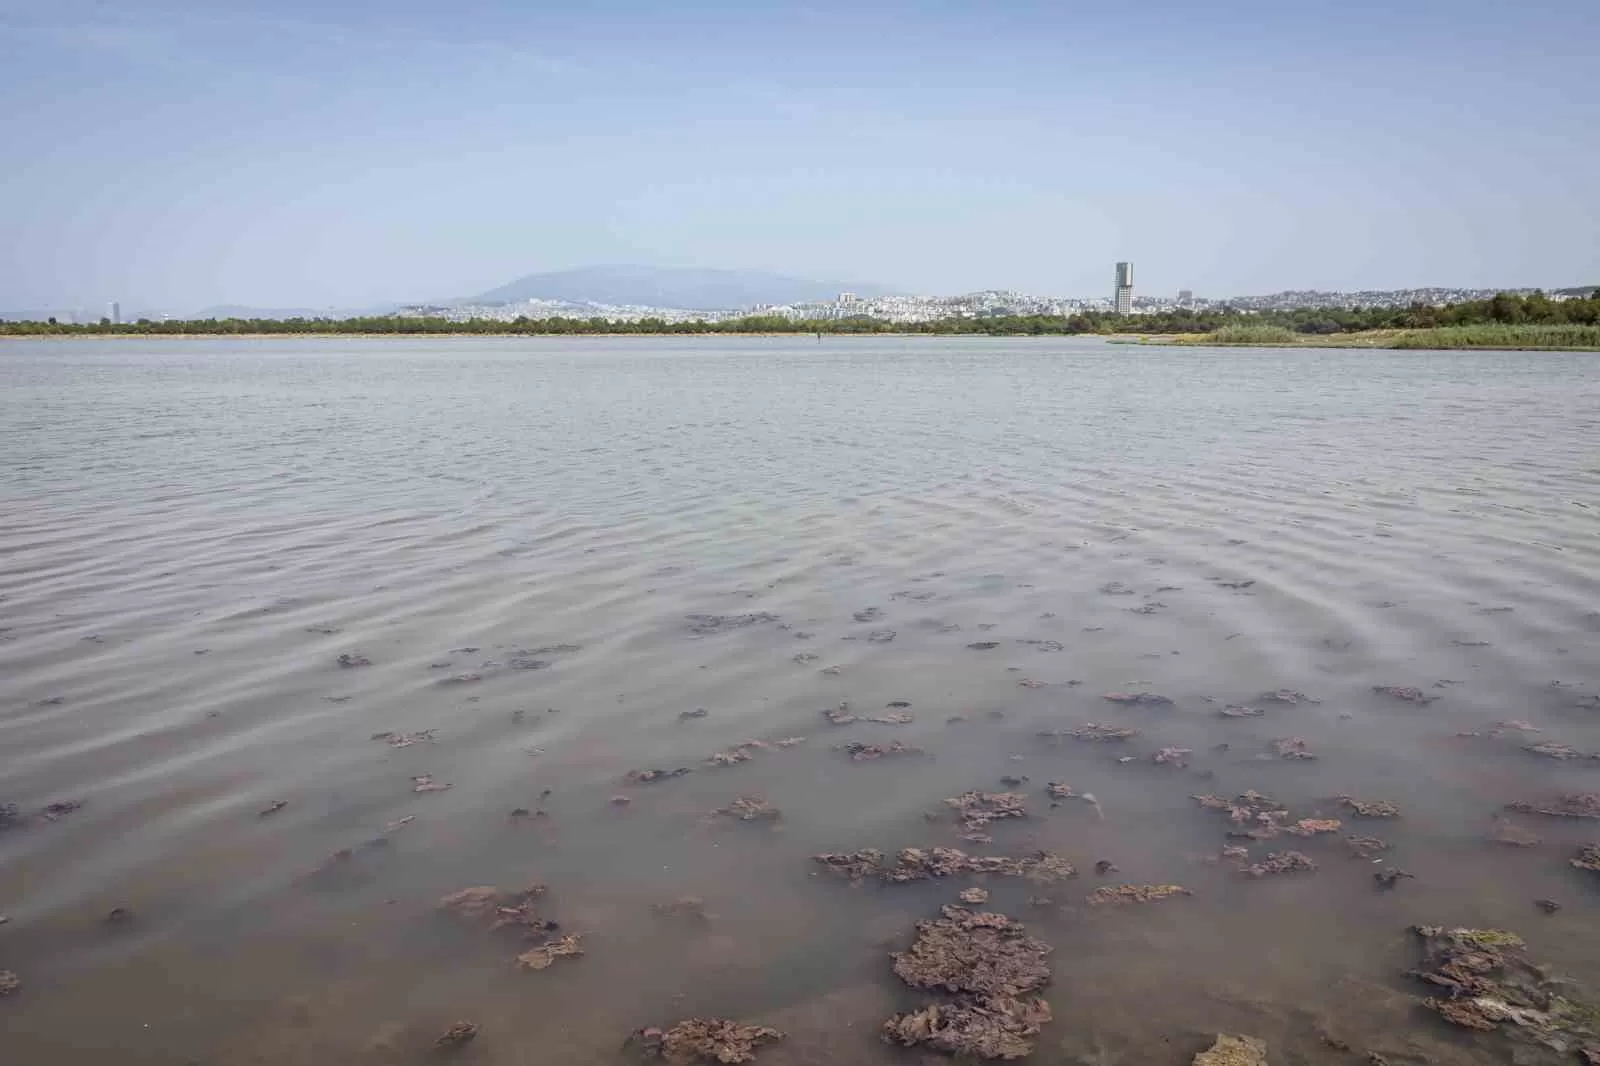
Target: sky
{"type": "Point", "coordinates": [176, 155]}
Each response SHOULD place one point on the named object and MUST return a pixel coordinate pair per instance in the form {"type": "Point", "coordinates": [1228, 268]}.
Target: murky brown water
{"type": "Point", "coordinates": [516, 533]}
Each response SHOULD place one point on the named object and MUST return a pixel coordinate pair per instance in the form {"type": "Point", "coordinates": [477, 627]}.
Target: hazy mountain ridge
{"type": "Point", "coordinates": [683, 287]}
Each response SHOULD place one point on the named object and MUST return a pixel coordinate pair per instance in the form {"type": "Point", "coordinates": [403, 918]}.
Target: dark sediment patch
{"type": "Point", "coordinates": [707, 624]}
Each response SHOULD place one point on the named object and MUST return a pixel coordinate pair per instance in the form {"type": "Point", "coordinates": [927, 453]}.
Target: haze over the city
{"type": "Point", "coordinates": [168, 154]}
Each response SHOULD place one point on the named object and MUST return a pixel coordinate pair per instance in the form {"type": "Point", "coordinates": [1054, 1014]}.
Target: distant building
{"type": "Point", "coordinates": [848, 297]}
{"type": "Point", "coordinates": [116, 313]}
{"type": "Point", "coordinates": [1124, 293]}
{"type": "Point", "coordinates": [1185, 297]}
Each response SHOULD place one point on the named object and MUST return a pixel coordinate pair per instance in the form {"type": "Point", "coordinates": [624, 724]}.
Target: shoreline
{"type": "Point", "coordinates": [1372, 340]}
{"type": "Point", "coordinates": [1375, 340]}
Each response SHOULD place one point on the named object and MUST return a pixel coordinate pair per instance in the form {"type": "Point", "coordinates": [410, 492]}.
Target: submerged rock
{"type": "Point", "coordinates": [1099, 732]}
{"type": "Point", "coordinates": [973, 895]}
{"type": "Point", "coordinates": [1060, 790]}
{"type": "Point", "coordinates": [458, 1035]}
{"type": "Point", "coordinates": [860, 752]}
{"type": "Point", "coordinates": [732, 756]}
{"type": "Point", "coordinates": [545, 955]}
{"type": "Point", "coordinates": [1564, 752]}
{"type": "Point", "coordinates": [750, 809]}
{"type": "Point", "coordinates": [1513, 835]}
{"type": "Point", "coordinates": [1409, 693]}
{"type": "Point", "coordinates": [1232, 1050]}
{"type": "Point", "coordinates": [644, 777]}
{"type": "Point", "coordinates": [1390, 878]}
{"type": "Point", "coordinates": [985, 1027]}
{"type": "Point", "coordinates": [706, 1040]}
{"type": "Point", "coordinates": [923, 864]}
{"type": "Point", "coordinates": [1370, 808]}
{"type": "Point", "coordinates": [1568, 805]}
{"type": "Point", "coordinates": [353, 659]}
{"type": "Point", "coordinates": [1281, 862]}
{"type": "Point", "coordinates": [1285, 695]}
{"type": "Point", "coordinates": [1489, 985]}
{"type": "Point", "coordinates": [1366, 847]}
{"type": "Point", "coordinates": [1120, 895]}
{"type": "Point", "coordinates": [853, 865]}
{"type": "Point", "coordinates": [840, 715]}
{"type": "Point", "coordinates": [1292, 748]}
{"type": "Point", "coordinates": [706, 624]}
{"type": "Point", "coordinates": [1239, 710]}
{"type": "Point", "coordinates": [9, 983]}
{"type": "Point", "coordinates": [497, 909]}
{"type": "Point", "coordinates": [1588, 858]}
{"type": "Point", "coordinates": [1146, 699]}
{"type": "Point", "coordinates": [691, 908]}
{"type": "Point", "coordinates": [978, 809]}
{"type": "Point", "coordinates": [1307, 827]}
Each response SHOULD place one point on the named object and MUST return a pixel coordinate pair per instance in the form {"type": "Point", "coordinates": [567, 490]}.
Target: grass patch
{"type": "Point", "coordinates": [1500, 335]}
{"type": "Point", "coordinates": [1253, 333]}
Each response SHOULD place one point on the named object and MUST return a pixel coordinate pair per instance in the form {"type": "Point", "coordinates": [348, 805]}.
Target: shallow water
{"type": "Point", "coordinates": [516, 533]}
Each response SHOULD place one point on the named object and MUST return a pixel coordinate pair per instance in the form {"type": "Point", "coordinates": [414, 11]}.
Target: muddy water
{"type": "Point", "coordinates": [516, 534]}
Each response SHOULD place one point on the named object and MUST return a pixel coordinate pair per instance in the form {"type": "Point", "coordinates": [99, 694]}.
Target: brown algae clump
{"type": "Point", "coordinates": [1568, 805]}
{"type": "Point", "coordinates": [978, 809]}
{"type": "Point", "coordinates": [989, 962]}
{"type": "Point", "coordinates": [1119, 895]}
{"type": "Point", "coordinates": [1488, 984]}
{"type": "Point", "coordinates": [1281, 862]}
{"type": "Point", "coordinates": [993, 1027]}
{"type": "Point", "coordinates": [1370, 808]}
{"type": "Point", "coordinates": [750, 809]}
{"type": "Point", "coordinates": [707, 1040]}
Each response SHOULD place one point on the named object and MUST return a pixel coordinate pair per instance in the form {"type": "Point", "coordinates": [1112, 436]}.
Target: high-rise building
{"type": "Point", "coordinates": [1185, 297]}
{"type": "Point", "coordinates": [848, 297]}
{"type": "Point", "coordinates": [1124, 294]}
{"type": "Point", "coordinates": [116, 313]}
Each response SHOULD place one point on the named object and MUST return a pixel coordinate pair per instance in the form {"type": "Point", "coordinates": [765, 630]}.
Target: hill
{"type": "Point", "coordinates": [680, 287]}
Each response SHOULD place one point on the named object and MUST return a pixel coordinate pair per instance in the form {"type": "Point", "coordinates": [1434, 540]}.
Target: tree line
{"type": "Point", "coordinates": [1504, 308]}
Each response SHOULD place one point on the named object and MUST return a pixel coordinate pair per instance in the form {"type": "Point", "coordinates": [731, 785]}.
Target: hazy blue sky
{"type": "Point", "coordinates": [177, 154]}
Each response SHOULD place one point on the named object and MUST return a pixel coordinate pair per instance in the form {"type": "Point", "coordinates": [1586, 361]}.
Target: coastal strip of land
{"type": "Point", "coordinates": [1507, 321]}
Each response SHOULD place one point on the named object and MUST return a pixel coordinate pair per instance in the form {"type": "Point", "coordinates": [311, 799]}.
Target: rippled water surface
{"type": "Point", "coordinates": [518, 535]}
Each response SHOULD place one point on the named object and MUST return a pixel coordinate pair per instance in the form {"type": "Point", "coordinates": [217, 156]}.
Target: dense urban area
{"type": "Point", "coordinates": [1569, 319]}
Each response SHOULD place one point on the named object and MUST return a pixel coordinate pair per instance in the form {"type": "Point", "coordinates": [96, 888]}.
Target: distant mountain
{"type": "Point", "coordinates": [239, 311]}
{"type": "Point", "coordinates": [681, 287]}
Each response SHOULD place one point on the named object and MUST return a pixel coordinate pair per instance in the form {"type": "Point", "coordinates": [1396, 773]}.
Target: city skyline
{"type": "Point", "coordinates": [175, 153]}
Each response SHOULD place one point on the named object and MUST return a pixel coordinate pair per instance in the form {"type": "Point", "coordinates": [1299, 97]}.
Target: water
{"type": "Point", "coordinates": [194, 530]}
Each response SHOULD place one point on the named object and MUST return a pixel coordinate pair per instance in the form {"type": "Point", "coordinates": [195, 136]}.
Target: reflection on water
{"type": "Point", "coordinates": [508, 540]}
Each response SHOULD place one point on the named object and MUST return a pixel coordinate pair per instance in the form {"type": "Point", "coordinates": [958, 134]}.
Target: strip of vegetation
{"type": "Point", "coordinates": [1494, 335]}
{"type": "Point", "coordinates": [1506, 321]}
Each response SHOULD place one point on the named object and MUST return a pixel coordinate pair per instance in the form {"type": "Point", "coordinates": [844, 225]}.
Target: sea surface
{"type": "Point", "coordinates": [548, 556]}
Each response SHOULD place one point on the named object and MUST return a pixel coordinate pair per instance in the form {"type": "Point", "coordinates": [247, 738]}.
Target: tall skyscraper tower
{"type": "Point", "coordinates": [116, 313]}
{"type": "Point", "coordinates": [1124, 295]}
